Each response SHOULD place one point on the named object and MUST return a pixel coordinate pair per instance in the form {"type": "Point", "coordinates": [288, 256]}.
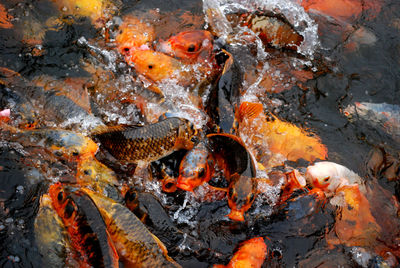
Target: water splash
{"type": "Point", "coordinates": [216, 10]}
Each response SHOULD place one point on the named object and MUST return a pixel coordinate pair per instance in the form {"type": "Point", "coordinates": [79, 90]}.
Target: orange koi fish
{"type": "Point", "coordinates": [355, 225]}
{"type": "Point", "coordinates": [282, 139]}
{"type": "Point", "coordinates": [190, 46]}
{"type": "Point", "coordinates": [86, 228]}
{"type": "Point", "coordinates": [137, 246]}
{"type": "Point", "coordinates": [251, 253]}
{"type": "Point", "coordinates": [156, 66]}
{"type": "Point", "coordinates": [134, 34]}
{"type": "Point", "coordinates": [241, 195]}
{"type": "Point", "coordinates": [65, 143]}
{"type": "Point", "coordinates": [196, 168]}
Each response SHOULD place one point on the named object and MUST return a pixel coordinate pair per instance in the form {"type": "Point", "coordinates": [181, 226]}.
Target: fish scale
{"type": "Point", "coordinates": [147, 143]}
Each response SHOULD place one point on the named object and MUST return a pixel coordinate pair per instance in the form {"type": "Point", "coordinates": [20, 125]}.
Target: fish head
{"type": "Point", "coordinates": [91, 170]}
{"type": "Point", "coordinates": [63, 203]}
{"type": "Point", "coordinates": [134, 34]}
{"type": "Point", "coordinates": [242, 191]}
{"type": "Point", "coordinates": [195, 168]}
{"type": "Point", "coordinates": [154, 65]}
{"type": "Point", "coordinates": [191, 46]}
{"type": "Point", "coordinates": [187, 135]}
{"type": "Point", "coordinates": [131, 199]}
{"type": "Point", "coordinates": [169, 184]}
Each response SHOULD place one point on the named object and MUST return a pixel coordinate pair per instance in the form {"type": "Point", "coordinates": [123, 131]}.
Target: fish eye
{"type": "Point", "coordinates": [202, 172]}
{"type": "Point", "coordinates": [252, 196]}
{"type": "Point", "coordinates": [192, 48]}
{"type": "Point", "coordinates": [69, 209]}
{"type": "Point", "coordinates": [169, 185]}
{"type": "Point", "coordinates": [130, 196]}
{"type": "Point", "coordinates": [60, 196]}
{"type": "Point", "coordinates": [75, 153]}
{"type": "Point", "coordinates": [326, 179]}
{"type": "Point", "coordinates": [230, 193]}
{"type": "Point", "coordinates": [150, 66]}
{"type": "Point", "coordinates": [87, 172]}
{"type": "Point", "coordinates": [126, 49]}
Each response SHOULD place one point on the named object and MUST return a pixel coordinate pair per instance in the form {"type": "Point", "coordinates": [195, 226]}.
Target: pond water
{"type": "Point", "coordinates": [60, 68]}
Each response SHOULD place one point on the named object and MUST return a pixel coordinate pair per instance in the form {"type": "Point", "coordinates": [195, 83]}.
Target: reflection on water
{"type": "Point", "coordinates": [333, 97]}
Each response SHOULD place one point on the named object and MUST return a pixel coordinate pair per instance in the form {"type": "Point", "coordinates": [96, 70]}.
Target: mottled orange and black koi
{"type": "Point", "coordinates": [86, 228]}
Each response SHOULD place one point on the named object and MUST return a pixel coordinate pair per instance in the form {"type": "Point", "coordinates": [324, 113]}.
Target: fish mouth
{"type": "Point", "coordinates": [236, 215]}
{"type": "Point", "coordinates": [184, 186]}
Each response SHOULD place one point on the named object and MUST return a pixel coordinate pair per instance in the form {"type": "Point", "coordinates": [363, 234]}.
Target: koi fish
{"type": "Point", "coordinates": [190, 46]}
{"type": "Point", "coordinates": [196, 168]}
{"type": "Point", "coordinates": [134, 243]}
{"type": "Point", "coordinates": [251, 253]}
{"type": "Point", "coordinates": [148, 143]}
{"type": "Point", "coordinates": [273, 29]}
{"type": "Point", "coordinates": [282, 139]}
{"type": "Point", "coordinates": [134, 34]}
{"type": "Point", "coordinates": [68, 144]}
{"type": "Point", "coordinates": [383, 115]}
{"type": "Point", "coordinates": [85, 226]}
{"type": "Point", "coordinates": [223, 99]}
{"type": "Point", "coordinates": [51, 236]}
{"type": "Point", "coordinates": [329, 176]}
{"type": "Point", "coordinates": [355, 225]}
{"type": "Point", "coordinates": [241, 195]}
{"type": "Point", "coordinates": [95, 175]}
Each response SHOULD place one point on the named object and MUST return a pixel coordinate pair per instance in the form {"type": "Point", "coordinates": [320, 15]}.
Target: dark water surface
{"type": "Point", "coordinates": [369, 73]}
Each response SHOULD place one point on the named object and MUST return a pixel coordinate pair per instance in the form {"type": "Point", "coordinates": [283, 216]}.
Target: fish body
{"type": "Point", "coordinates": [383, 115]}
{"type": "Point", "coordinates": [196, 168]}
{"type": "Point", "coordinates": [240, 166]}
{"type": "Point", "coordinates": [50, 235]}
{"type": "Point", "coordinates": [241, 195]}
{"type": "Point", "coordinates": [148, 143]}
{"type": "Point", "coordinates": [223, 99]}
{"type": "Point", "coordinates": [85, 226]}
{"type": "Point", "coordinates": [272, 141]}
{"type": "Point", "coordinates": [273, 29]}
{"type": "Point", "coordinates": [134, 242]}
{"type": "Point", "coordinates": [189, 46]}
{"type": "Point", "coordinates": [251, 253]}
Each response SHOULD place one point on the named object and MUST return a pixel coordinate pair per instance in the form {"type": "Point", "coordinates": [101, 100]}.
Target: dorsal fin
{"type": "Point", "coordinates": [250, 110]}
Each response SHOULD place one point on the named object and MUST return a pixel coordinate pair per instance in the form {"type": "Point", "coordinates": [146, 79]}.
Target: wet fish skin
{"type": "Point", "coordinates": [148, 143]}
{"type": "Point", "coordinates": [242, 192]}
{"type": "Point", "coordinates": [196, 168]}
{"type": "Point", "coordinates": [50, 235]}
{"type": "Point", "coordinates": [136, 245]}
{"type": "Point", "coordinates": [85, 226]}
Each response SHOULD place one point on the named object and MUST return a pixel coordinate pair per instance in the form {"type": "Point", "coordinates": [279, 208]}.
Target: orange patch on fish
{"type": "Point", "coordinates": [134, 35]}
{"type": "Point", "coordinates": [155, 65]}
{"type": "Point", "coordinates": [339, 9]}
{"type": "Point", "coordinates": [251, 253]}
{"type": "Point", "coordinates": [281, 137]}
{"type": "Point", "coordinates": [5, 18]}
